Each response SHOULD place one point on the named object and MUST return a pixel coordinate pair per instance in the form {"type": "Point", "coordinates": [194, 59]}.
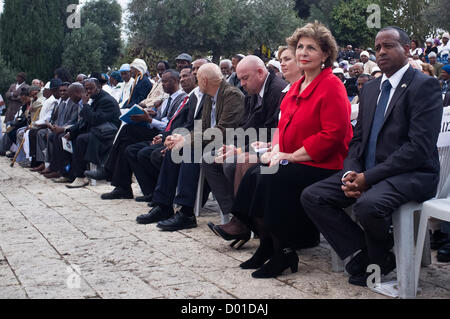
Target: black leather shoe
{"type": "Point", "coordinates": [144, 199]}
{"type": "Point", "coordinates": [438, 239]}
{"type": "Point", "coordinates": [155, 215]}
{"type": "Point", "coordinates": [99, 174]}
{"type": "Point", "coordinates": [358, 264]}
{"type": "Point", "coordinates": [178, 222]}
{"type": "Point", "coordinates": [278, 263]}
{"type": "Point", "coordinates": [361, 278]}
{"type": "Point", "coordinates": [443, 254]}
{"type": "Point", "coordinates": [118, 193]}
{"type": "Point", "coordinates": [151, 204]}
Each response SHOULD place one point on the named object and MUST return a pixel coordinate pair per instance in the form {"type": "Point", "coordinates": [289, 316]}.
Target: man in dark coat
{"type": "Point", "coordinates": [12, 97]}
{"type": "Point", "coordinates": [392, 160]}
{"type": "Point", "coordinates": [261, 114]}
{"type": "Point", "coordinates": [98, 125]}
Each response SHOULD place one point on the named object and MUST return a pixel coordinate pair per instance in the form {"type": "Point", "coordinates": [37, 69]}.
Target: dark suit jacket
{"type": "Point", "coordinates": [406, 155]}
{"type": "Point", "coordinates": [181, 118]}
{"type": "Point", "coordinates": [266, 114]}
{"type": "Point", "coordinates": [229, 111]}
{"type": "Point", "coordinates": [70, 113]}
{"type": "Point", "coordinates": [12, 101]}
{"type": "Point", "coordinates": [447, 99]}
{"type": "Point", "coordinates": [140, 92]}
{"type": "Point", "coordinates": [104, 109]}
{"type": "Point", "coordinates": [193, 116]}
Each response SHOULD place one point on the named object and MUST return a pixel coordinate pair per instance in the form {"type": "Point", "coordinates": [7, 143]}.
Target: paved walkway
{"type": "Point", "coordinates": [49, 234]}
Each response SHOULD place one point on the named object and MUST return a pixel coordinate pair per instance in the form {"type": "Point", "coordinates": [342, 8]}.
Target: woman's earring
{"type": "Point", "coordinates": [323, 65]}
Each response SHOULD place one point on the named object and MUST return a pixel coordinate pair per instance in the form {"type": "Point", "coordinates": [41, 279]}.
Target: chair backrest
{"type": "Point", "coordinates": [444, 180]}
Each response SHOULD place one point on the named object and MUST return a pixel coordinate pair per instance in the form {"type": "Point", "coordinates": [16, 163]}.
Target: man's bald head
{"type": "Point", "coordinates": [253, 73]}
{"type": "Point", "coordinates": [76, 92]}
{"type": "Point", "coordinates": [196, 65]}
{"type": "Point", "coordinates": [209, 78]}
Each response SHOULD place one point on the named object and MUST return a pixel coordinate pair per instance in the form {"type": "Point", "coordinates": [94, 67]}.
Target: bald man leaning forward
{"type": "Point", "coordinates": [261, 114]}
{"type": "Point", "coordinates": [223, 109]}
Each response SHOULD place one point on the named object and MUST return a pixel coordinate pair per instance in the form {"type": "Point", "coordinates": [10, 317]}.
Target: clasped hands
{"type": "Point", "coordinates": [354, 184]}
{"type": "Point", "coordinates": [273, 156]}
{"type": "Point", "coordinates": [173, 142]}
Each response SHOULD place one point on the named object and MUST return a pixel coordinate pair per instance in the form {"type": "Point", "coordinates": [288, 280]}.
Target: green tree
{"type": "Point", "coordinates": [216, 27]}
{"type": "Point", "coordinates": [107, 14]}
{"type": "Point", "coordinates": [349, 22]}
{"type": "Point", "coordinates": [32, 33]}
{"type": "Point", "coordinates": [411, 16]}
{"type": "Point", "coordinates": [84, 49]}
{"type": "Point", "coordinates": [7, 76]}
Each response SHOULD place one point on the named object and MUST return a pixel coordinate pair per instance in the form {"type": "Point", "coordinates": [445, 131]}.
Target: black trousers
{"type": "Point", "coordinates": [32, 141]}
{"type": "Point", "coordinates": [79, 165]}
{"type": "Point", "coordinates": [60, 158]}
{"type": "Point", "coordinates": [145, 161]}
{"type": "Point", "coordinates": [117, 164]}
{"type": "Point", "coordinates": [183, 177]}
{"type": "Point", "coordinates": [275, 198]}
{"type": "Point", "coordinates": [324, 203]}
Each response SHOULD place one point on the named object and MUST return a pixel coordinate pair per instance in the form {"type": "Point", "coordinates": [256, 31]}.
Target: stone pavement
{"type": "Point", "coordinates": [50, 234]}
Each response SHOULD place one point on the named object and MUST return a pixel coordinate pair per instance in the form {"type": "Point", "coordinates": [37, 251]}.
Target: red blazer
{"type": "Point", "coordinates": [319, 120]}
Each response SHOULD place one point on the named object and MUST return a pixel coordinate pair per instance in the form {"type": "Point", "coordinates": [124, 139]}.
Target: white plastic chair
{"type": "Point", "coordinates": [435, 208]}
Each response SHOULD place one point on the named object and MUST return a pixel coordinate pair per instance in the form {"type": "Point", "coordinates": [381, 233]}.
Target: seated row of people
{"type": "Point", "coordinates": [289, 180]}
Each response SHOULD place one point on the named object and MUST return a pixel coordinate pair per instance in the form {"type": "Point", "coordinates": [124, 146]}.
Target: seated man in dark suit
{"type": "Point", "coordinates": [392, 159]}
{"type": "Point", "coordinates": [223, 109]}
{"type": "Point", "coordinates": [145, 160]}
{"type": "Point", "coordinates": [117, 168]}
{"type": "Point", "coordinates": [261, 113]}
{"type": "Point", "coordinates": [94, 131]}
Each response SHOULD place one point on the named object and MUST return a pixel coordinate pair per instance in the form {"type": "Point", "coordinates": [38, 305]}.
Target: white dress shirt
{"type": "Point", "coordinates": [46, 111]}
{"type": "Point", "coordinates": [395, 81]}
{"type": "Point", "coordinates": [161, 124]}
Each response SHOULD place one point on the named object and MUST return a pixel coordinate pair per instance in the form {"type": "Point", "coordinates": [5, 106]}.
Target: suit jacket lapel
{"type": "Point", "coordinates": [399, 91]}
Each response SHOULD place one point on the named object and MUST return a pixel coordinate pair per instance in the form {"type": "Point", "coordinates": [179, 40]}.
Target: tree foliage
{"type": "Point", "coordinates": [7, 76]}
{"type": "Point", "coordinates": [349, 22]}
{"type": "Point", "coordinates": [84, 49]}
{"type": "Point", "coordinates": [215, 26]}
{"type": "Point", "coordinates": [32, 33]}
{"type": "Point", "coordinates": [107, 14]}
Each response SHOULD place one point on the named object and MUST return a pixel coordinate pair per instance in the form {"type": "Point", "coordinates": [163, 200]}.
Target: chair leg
{"type": "Point", "coordinates": [199, 197]}
{"type": "Point", "coordinates": [403, 221]}
{"type": "Point", "coordinates": [421, 240]}
{"type": "Point", "coordinates": [426, 255]}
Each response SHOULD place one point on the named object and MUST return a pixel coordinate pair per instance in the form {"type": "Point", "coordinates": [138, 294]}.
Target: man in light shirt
{"type": "Point", "coordinates": [128, 80]}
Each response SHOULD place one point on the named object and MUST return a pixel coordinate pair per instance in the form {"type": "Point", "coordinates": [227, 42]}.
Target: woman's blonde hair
{"type": "Point", "coordinates": [321, 35]}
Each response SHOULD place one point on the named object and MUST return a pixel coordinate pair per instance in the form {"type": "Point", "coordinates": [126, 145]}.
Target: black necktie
{"type": "Point", "coordinates": [166, 111]}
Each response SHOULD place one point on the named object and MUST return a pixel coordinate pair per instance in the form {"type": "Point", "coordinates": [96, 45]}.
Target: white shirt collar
{"type": "Point", "coordinates": [261, 93]}
{"type": "Point", "coordinates": [396, 77]}
{"type": "Point", "coordinates": [174, 95]}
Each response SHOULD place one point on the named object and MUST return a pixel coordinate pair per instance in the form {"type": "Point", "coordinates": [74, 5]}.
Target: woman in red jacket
{"type": "Point", "coordinates": [314, 133]}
